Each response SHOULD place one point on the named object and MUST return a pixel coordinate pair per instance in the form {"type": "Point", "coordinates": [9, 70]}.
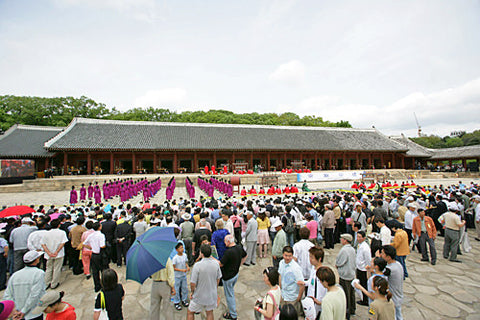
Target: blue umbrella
{"type": "Point", "coordinates": [149, 253]}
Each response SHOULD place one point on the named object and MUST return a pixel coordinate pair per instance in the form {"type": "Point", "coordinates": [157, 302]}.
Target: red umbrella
{"type": "Point", "coordinates": [16, 211]}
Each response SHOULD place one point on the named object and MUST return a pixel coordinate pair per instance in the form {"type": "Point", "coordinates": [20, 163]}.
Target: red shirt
{"type": "Point", "coordinates": [262, 191]}
{"type": "Point", "coordinates": [67, 314]}
{"type": "Point", "coordinates": [286, 190]}
{"type": "Point", "coordinates": [243, 192]}
{"type": "Point", "coordinates": [253, 191]}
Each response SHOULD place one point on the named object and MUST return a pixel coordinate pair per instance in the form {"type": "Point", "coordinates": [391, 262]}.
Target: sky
{"type": "Point", "coordinates": [372, 63]}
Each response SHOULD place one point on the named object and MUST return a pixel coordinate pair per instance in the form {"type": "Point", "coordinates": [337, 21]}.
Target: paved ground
{"type": "Point", "coordinates": [445, 291]}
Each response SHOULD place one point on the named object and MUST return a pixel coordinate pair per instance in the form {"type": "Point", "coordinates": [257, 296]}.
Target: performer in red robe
{"type": "Point", "coordinates": [354, 186]}
{"type": "Point", "coordinates": [278, 190]}
{"type": "Point", "coordinates": [206, 170]}
{"type": "Point", "coordinates": [271, 190]}
{"type": "Point", "coordinates": [243, 192]}
{"type": "Point", "coordinates": [261, 191]}
{"type": "Point", "coordinates": [286, 190]}
{"type": "Point", "coordinates": [252, 190]}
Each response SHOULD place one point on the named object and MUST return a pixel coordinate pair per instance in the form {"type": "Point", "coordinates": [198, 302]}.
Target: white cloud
{"type": "Point", "coordinates": [438, 112]}
{"type": "Point", "coordinates": [290, 73]}
{"type": "Point", "coordinates": [138, 9]}
{"type": "Point", "coordinates": [168, 98]}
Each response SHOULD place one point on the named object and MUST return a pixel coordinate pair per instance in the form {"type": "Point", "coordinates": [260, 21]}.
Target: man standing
{"type": "Point", "coordinates": [395, 279]}
{"type": "Point", "coordinates": [291, 280]}
{"type": "Point", "coordinates": [19, 239]}
{"type": "Point", "coordinates": [424, 229]}
{"type": "Point", "coordinates": [476, 215]}
{"type": "Point", "coordinates": [345, 264]}
{"type": "Point", "coordinates": [27, 286]}
{"type": "Point", "coordinates": [251, 239]}
{"type": "Point", "coordinates": [123, 232]}
{"type": "Point", "coordinates": [328, 226]}
{"type": "Point", "coordinates": [96, 242]}
{"type": "Point", "coordinates": [279, 243]}
{"type": "Point", "coordinates": [363, 259]}
{"type": "Point", "coordinates": [301, 254]}
{"type": "Point", "coordinates": [230, 265]}
{"type": "Point", "coordinates": [409, 216]}
{"type": "Point", "coordinates": [186, 234]}
{"type": "Point", "coordinates": [163, 287]}
{"type": "Point", "coordinates": [108, 229]}
{"type": "Point", "coordinates": [204, 281]}
{"type": "Point", "coordinates": [288, 221]}
{"type": "Point", "coordinates": [453, 223]}
{"type": "Point", "coordinates": [76, 236]}
{"type": "Point", "coordinates": [3, 262]}
{"type": "Point", "coordinates": [359, 216]}
{"type": "Point", "coordinates": [53, 243]}
{"type": "Point", "coordinates": [202, 230]}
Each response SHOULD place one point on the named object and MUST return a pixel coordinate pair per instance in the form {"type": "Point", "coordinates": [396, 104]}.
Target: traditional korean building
{"type": "Point", "coordinates": [110, 146]}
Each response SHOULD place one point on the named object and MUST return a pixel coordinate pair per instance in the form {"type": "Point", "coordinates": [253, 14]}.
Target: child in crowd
{"type": "Point", "coordinates": [180, 266]}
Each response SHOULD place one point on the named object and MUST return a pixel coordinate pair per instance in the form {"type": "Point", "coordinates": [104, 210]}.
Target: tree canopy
{"type": "Point", "coordinates": [60, 111]}
{"type": "Point", "coordinates": [436, 142]}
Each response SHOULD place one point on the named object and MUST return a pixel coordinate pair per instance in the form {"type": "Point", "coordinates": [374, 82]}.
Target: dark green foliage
{"type": "Point", "coordinates": [436, 142]}
{"type": "Point", "coordinates": [60, 111]}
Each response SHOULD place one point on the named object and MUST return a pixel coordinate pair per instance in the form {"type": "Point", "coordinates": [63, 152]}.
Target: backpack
{"type": "Point", "coordinates": [289, 227]}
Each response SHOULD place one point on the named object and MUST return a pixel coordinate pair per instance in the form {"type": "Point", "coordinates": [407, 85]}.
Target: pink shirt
{"type": "Point", "coordinates": [313, 227]}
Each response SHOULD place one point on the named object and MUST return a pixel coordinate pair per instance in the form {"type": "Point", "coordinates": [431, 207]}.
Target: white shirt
{"type": "Point", "coordinates": [229, 226]}
{"type": "Point", "coordinates": [96, 240]}
{"type": "Point", "coordinates": [34, 241]}
{"type": "Point", "coordinates": [364, 256]}
{"type": "Point", "coordinates": [385, 235]}
{"type": "Point", "coordinates": [321, 290]}
{"type": "Point", "coordinates": [52, 239]}
{"type": "Point", "coordinates": [300, 252]}
{"type": "Point", "coordinates": [409, 216]}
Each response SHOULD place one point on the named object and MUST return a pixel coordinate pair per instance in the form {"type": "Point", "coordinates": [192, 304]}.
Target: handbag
{"type": "Point", "coordinates": [103, 312]}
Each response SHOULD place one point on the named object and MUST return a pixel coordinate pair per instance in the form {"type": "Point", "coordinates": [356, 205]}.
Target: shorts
{"type": "Point", "coordinates": [195, 307]}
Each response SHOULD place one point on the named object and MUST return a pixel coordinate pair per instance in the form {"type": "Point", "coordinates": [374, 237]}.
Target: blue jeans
{"type": "Point", "coordinates": [290, 239]}
{"type": "Point", "coordinates": [401, 259]}
{"type": "Point", "coordinates": [181, 290]}
{"type": "Point", "coordinates": [228, 287]}
{"type": "Point", "coordinates": [3, 271]}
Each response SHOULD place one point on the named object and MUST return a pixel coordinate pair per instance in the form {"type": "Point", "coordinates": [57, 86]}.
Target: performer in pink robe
{"type": "Point", "coordinates": [98, 195]}
{"type": "Point", "coordinates": [73, 196]}
{"type": "Point", "coordinates": [90, 191]}
{"type": "Point", "coordinates": [83, 193]}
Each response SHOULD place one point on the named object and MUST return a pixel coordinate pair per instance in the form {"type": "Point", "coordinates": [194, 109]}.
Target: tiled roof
{"type": "Point", "coordinates": [414, 149]}
{"type": "Point", "coordinates": [468, 152]}
{"type": "Point", "coordinates": [24, 141]}
{"type": "Point", "coordinates": [93, 134]}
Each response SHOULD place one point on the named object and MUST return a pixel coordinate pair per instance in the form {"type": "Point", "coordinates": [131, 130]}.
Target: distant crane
{"type": "Point", "coordinates": [418, 126]}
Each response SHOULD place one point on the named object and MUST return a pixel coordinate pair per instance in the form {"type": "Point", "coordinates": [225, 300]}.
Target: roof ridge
{"type": "Point", "coordinates": [232, 125]}
{"type": "Point", "coordinates": [35, 127]}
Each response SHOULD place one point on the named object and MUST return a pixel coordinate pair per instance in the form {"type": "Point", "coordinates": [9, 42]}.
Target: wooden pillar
{"type": "Point", "coordinates": [330, 161]}
{"type": "Point", "coordinates": [284, 160]}
{"type": "Point", "coordinates": [214, 159]}
{"type": "Point", "coordinates": [413, 163]}
{"type": "Point", "coordinates": [89, 163]}
{"type": "Point", "coordinates": [233, 158]}
{"type": "Point", "coordinates": [369, 160]}
{"type": "Point", "coordinates": [381, 160]}
{"type": "Point", "coordinates": [46, 163]}
{"type": "Point", "coordinates": [195, 162]}
{"type": "Point", "coordinates": [65, 163]}
{"type": "Point", "coordinates": [268, 161]}
{"type": "Point", "coordinates": [393, 160]}
{"type": "Point", "coordinates": [134, 164]}
{"type": "Point", "coordinates": [112, 164]}
{"type": "Point", "coordinates": [316, 161]}
{"type": "Point", "coordinates": [357, 160]}
{"type": "Point", "coordinates": [155, 162]}
{"type": "Point", "coordinates": [403, 161]}
{"type": "Point", "coordinates": [345, 164]}
{"type": "Point", "coordinates": [175, 162]}
{"type": "Point", "coordinates": [464, 164]}
{"type": "Point", "coordinates": [251, 159]}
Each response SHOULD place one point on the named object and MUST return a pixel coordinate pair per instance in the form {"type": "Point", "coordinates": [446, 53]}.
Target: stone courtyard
{"type": "Point", "coordinates": [447, 290]}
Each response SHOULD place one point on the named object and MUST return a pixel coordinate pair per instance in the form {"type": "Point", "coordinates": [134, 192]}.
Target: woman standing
{"type": "Point", "coordinates": [334, 304]}
{"type": "Point", "coordinates": [382, 308]}
{"type": "Point", "coordinates": [110, 298]}
{"type": "Point", "coordinates": [263, 238]}
{"type": "Point", "coordinates": [269, 306]}
{"type": "Point", "coordinates": [218, 238]}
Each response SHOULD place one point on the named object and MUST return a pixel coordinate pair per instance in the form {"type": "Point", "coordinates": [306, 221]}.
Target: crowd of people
{"type": "Point", "coordinates": [377, 230]}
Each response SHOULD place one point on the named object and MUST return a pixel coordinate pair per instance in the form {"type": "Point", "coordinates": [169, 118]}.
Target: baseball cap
{"type": "Point", "coordinates": [46, 300]}
{"type": "Point", "coordinates": [31, 256]}
{"type": "Point", "coordinates": [347, 236]}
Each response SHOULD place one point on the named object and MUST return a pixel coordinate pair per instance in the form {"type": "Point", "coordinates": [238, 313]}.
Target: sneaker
{"type": "Point", "coordinates": [185, 304]}
{"type": "Point", "coordinates": [246, 264]}
{"type": "Point", "coordinates": [178, 306]}
{"type": "Point", "coordinates": [89, 276]}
